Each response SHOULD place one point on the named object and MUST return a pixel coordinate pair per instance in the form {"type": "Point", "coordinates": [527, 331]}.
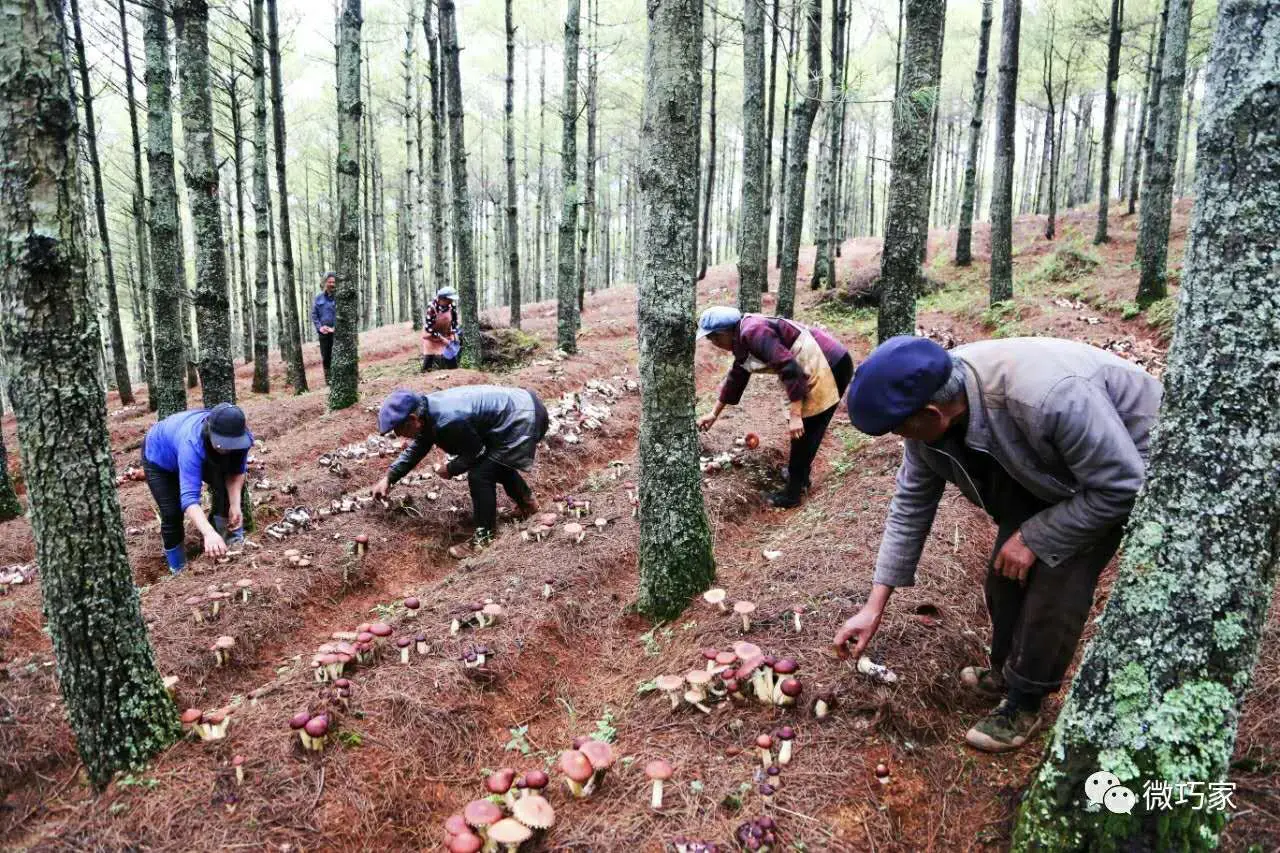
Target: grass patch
{"type": "Point", "coordinates": [1160, 316]}
{"type": "Point", "coordinates": [957, 297]}
{"type": "Point", "coordinates": [1067, 263]}
{"type": "Point", "coordinates": [1003, 319]}
{"type": "Point", "coordinates": [845, 319]}
{"type": "Point", "coordinates": [507, 349]}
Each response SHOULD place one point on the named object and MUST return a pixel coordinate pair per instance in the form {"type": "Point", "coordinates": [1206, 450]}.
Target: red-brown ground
{"type": "Point", "coordinates": [417, 738]}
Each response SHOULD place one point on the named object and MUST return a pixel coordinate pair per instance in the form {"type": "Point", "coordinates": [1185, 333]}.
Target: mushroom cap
{"type": "Point", "coordinates": [342, 683]}
{"type": "Point", "coordinates": [548, 519]}
{"type": "Point", "coordinates": [215, 717]}
{"type": "Point", "coordinates": [534, 811]}
{"type": "Point", "coordinates": [194, 601]}
{"type": "Point", "coordinates": [709, 653]}
{"type": "Point", "coordinates": [170, 681]}
{"type": "Point", "coordinates": [380, 629]}
{"type": "Point", "coordinates": [743, 608]}
{"type": "Point", "coordinates": [731, 684]}
{"type": "Point", "coordinates": [224, 642]}
{"type": "Point", "coordinates": [669, 682]}
{"type": "Point", "coordinates": [575, 765]}
{"type": "Point", "coordinates": [318, 726]}
{"type": "Point", "coordinates": [713, 596]}
{"type": "Point", "coordinates": [749, 665]}
{"type": "Point", "coordinates": [420, 637]}
{"type": "Point", "coordinates": [573, 529]}
{"type": "Point", "coordinates": [791, 687]}
{"type": "Point", "coordinates": [698, 677]}
{"type": "Point", "coordinates": [345, 648]}
{"type": "Point", "coordinates": [773, 770]}
{"type": "Point", "coordinates": [455, 825]}
{"type": "Point", "coordinates": [191, 716]}
{"type": "Point", "coordinates": [362, 628]}
{"type": "Point", "coordinates": [244, 583]}
{"type": "Point", "coordinates": [481, 813]}
{"type": "Point", "coordinates": [510, 831]}
{"type": "Point", "coordinates": [412, 603]}
{"type": "Point", "coordinates": [499, 781]}
{"type": "Point", "coordinates": [751, 440]}
{"type": "Point", "coordinates": [882, 770]}
{"type": "Point", "coordinates": [599, 753]}
{"type": "Point", "coordinates": [492, 610]}
{"type": "Point", "coordinates": [764, 742]}
{"type": "Point", "coordinates": [404, 643]}
{"type": "Point", "coordinates": [745, 650]}
{"type": "Point", "coordinates": [465, 842]}
{"type": "Point", "coordinates": [364, 637]}
{"type": "Point", "coordinates": [693, 696]}
{"type": "Point", "coordinates": [726, 658]}
{"type": "Point", "coordinates": [658, 770]}
{"type": "Point", "coordinates": [363, 539]}
{"type": "Point", "coordinates": [237, 761]}
{"type": "Point", "coordinates": [785, 733]}
{"type": "Point", "coordinates": [785, 666]}
{"type": "Point", "coordinates": [536, 779]}
{"type": "Point", "coordinates": [299, 720]}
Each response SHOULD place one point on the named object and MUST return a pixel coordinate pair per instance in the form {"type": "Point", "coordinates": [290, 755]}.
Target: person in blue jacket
{"type": "Point", "coordinates": [179, 454]}
{"type": "Point", "coordinates": [324, 316]}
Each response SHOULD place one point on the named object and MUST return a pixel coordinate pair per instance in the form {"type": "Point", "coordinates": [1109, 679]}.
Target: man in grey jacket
{"type": "Point", "coordinates": [1050, 438]}
{"type": "Point", "coordinates": [491, 433]}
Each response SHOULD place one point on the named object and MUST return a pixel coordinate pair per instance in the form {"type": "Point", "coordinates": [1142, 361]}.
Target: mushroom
{"type": "Point", "coordinates": [465, 842]}
{"type": "Point", "coordinates": [658, 772]}
{"type": "Point", "coordinates": [420, 643]}
{"type": "Point", "coordinates": [789, 688]}
{"type": "Point", "coordinates": [361, 545]}
{"type": "Point", "coordinates": [480, 814]}
{"type": "Point", "coordinates": [751, 440]}
{"type": "Point", "coordinates": [724, 660]}
{"type": "Point", "coordinates": [671, 685]}
{"type": "Point", "coordinates": [734, 690]}
{"type": "Point", "coordinates": [715, 597]}
{"type": "Point", "coordinates": [222, 648]}
{"type": "Point", "coordinates": [823, 703]}
{"type": "Point", "coordinates": [411, 605]}
{"type": "Point", "coordinates": [745, 650]}
{"type": "Point", "coordinates": [403, 645]}
{"type": "Point", "coordinates": [510, 833]}
{"type": "Point", "coordinates": [298, 722]}
{"type": "Point", "coordinates": [763, 744]}
{"type": "Point", "coordinates": [745, 609]}
{"type": "Point", "coordinates": [191, 719]}
{"type": "Point", "coordinates": [709, 655]}
{"type": "Point", "coordinates": [796, 613]}
{"type": "Point", "coordinates": [876, 671]}
{"type": "Point", "coordinates": [244, 585]}
{"type": "Point", "coordinates": [755, 668]}
{"type": "Point", "coordinates": [773, 775]}
{"type": "Point", "coordinates": [600, 754]}
{"type": "Point", "coordinates": [489, 614]}
{"type": "Point", "coordinates": [547, 586]}
{"type": "Point", "coordinates": [577, 771]}
{"type": "Point", "coordinates": [195, 602]}
{"type": "Point", "coordinates": [782, 667]}
{"type": "Point", "coordinates": [171, 686]}
{"type": "Point", "coordinates": [213, 726]}
{"type": "Point", "coordinates": [767, 791]}
{"type": "Point", "coordinates": [574, 531]}
{"type": "Point", "coordinates": [238, 764]}
{"type": "Point", "coordinates": [317, 728]}
{"type": "Point", "coordinates": [882, 773]}
{"type": "Point", "coordinates": [548, 519]}
{"type": "Point", "coordinates": [499, 783]}
{"type": "Point", "coordinates": [534, 811]}
{"type": "Point", "coordinates": [785, 735]}
{"type": "Point", "coordinates": [455, 825]}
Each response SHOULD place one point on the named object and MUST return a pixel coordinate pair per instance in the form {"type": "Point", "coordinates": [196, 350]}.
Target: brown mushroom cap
{"type": "Point", "coordinates": [380, 629]}
{"type": "Point", "coordinates": [492, 609]}
{"type": "Point", "coordinates": [224, 642]}
{"type": "Point", "coordinates": [882, 770]}
{"type": "Point", "coordinates": [499, 781]}
{"type": "Point", "coordinates": [791, 687]}
{"type": "Point", "coordinates": [455, 825]}
{"type": "Point", "coordinates": [534, 811]}
{"type": "Point", "coordinates": [404, 642]}
{"type": "Point", "coordinates": [785, 666]}
{"type": "Point", "coordinates": [412, 603]}
{"type": "Point", "coordinates": [510, 831]}
{"type": "Point", "coordinates": [191, 716]}
{"type": "Point", "coordinates": [599, 753]}
{"type": "Point", "coordinates": [215, 718]}
{"type": "Point", "coordinates": [465, 842]}
{"type": "Point", "coordinates": [658, 770]}
{"type": "Point", "coordinates": [764, 742]}
{"type": "Point", "coordinates": [194, 601]}
{"type": "Point", "coordinates": [537, 779]}
{"type": "Point", "coordinates": [364, 637]}
{"type": "Point", "coordinates": [745, 650]}
{"type": "Point", "coordinates": [299, 720]}
{"type": "Point", "coordinates": [238, 761]}
{"type": "Point", "coordinates": [749, 665]}
{"type": "Point", "coordinates": [575, 765]}
{"type": "Point", "coordinates": [726, 658]}
{"type": "Point", "coordinates": [481, 813]}
{"type": "Point", "coordinates": [709, 653]}
{"type": "Point", "coordinates": [318, 726]}
{"type": "Point", "coordinates": [363, 539]}
{"type": "Point", "coordinates": [785, 733]}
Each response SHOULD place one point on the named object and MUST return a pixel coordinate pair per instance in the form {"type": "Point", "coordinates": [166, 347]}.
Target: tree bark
{"type": "Point", "coordinates": [964, 237]}
{"type": "Point", "coordinates": [213, 309]}
{"type": "Point", "coordinates": [539, 222]}
{"type": "Point", "coordinates": [261, 220]}
{"type": "Point", "coordinates": [237, 238]}
{"type": "Point", "coordinates": [708, 190]}
{"type": "Point", "coordinates": [823, 268]}
{"type": "Point", "coordinates": [1158, 693]}
{"type": "Point", "coordinates": [435, 194]}
{"type": "Point", "coordinates": [806, 107]}
{"type": "Point", "coordinates": [566, 278]}
{"type": "Point", "coordinates": [10, 506]}
{"type": "Point", "coordinates": [753, 224]}
{"type": "Point", "coordinates": [1151, 104]}
{"type": "Point", "coordinates": [676, 559]}
{"type": "Point", "coordinates": [509, 142]}
{"type": "Point", "coordinates": [119, 355]}
{"type": "Point", "coordinates": [767, 214]}
{"type": "Point", "coordinates": [586, 221]}
{"type": "Point", "coordinates": [1157, 188]}
{"type": "Point", "coordinates": [462, 238]}
{"type": "Point", "coordinates": [1002, 170]}
{"type": "Point", "coordinates": [344, 372]}
{"type": "Point", "coordinates": [788, 95]}
{"type": "Point", "coordinates": [1185, 156]}
{"type": "Point", "coordinates": [906, 222]}
{"type": "Point", "coordinates": [411, 271]}
{"type": "Point", "coordinates": [1109, 119]}
{"type": "Point", "coordinates": [116, 702]}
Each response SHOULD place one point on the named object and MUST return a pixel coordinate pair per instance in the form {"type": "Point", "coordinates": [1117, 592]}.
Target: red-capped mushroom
{"type": "Point", "coordinates": [361, 545]}
{"type": "Point", "coordinates": [882, 773]}
{"type": "Point", "coordinates": [751, 440]}
{"type": "Point", "coordinates": [465, 842]}
{"type": "Point", "coordinates": [789, 688]}
{"type": "Point", "coordinates": [577, 771]}
{"type": "Point", "coordinates": [786, 735]}
{"type": "Point", "coordinates": [535, 781]}
{"type": "Point", "coordinates": [763, 744]}
{"type": "Point", "coordinates": [499, 783]}
{"type": "Point", "coordinates": [317, 729]}
{"type": "Point", "coordinates": [481, 813]}
{"type": "Point", "coordinates": [658, 772]}
{"type": "Point", "coordinates": [404, 644]}
{"type": "Point", "coordinates": [411, 606]}
{"type": "Point", "coordinates": [238, 764]}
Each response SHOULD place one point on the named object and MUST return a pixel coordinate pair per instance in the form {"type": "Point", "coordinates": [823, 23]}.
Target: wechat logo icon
{"type": "Point", "coordinates": [1104, 789]}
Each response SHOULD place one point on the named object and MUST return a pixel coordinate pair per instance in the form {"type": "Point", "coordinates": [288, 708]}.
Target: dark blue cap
{"type": "Point", "coordinates": [895, 381]}
{"type": "Point", "coordinates": [226, 427]}
{"type": "Point", "coordinates": [398, 406]}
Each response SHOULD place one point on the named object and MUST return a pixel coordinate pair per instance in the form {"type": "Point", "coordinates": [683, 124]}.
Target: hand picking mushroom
{"type": "Point", "coordinates": [658, 772]}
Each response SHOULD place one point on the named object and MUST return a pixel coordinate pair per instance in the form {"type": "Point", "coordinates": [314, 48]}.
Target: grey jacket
{"type": "Point", "coordinates": [1069, 422]}
{"type": "Point", "coordinates": [475, 422]}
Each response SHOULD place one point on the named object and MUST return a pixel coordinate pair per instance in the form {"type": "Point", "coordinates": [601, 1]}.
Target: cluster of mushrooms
{"type": "Point", "coordinates": [360, 645]}
{"type": "Point", "coordinates": [744, 671]}
{"type": "Point", "coordinates": [207, 725]}
{"type": "Point", "coordinates": [480, 614]}
{"type": "Point", "coordinates": [584, 767]}
{"type": "Point", "coordinates": [509, 815]}
{"type": "Point", "coordinates": [759, 835]}
{"type": "Point", "coordinates": [216, 596]}
{"type": "Point", "coordinates": [544, 525]}
{"type": "Point", "coordinates": [769, 775]}
{"type": "Point", "coordinates": [312, 729]}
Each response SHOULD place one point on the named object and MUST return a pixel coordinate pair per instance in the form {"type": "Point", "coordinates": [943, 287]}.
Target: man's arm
{"type": "Point", "coordinates": [190, 482]}
{"type": "Point", "coordinates": [315, 314]}
{"type": "Point", "coordinates": [461, 439]}
{"type": "Point", "coordinates": [911, 513]}
{"type": "Point", "coordinates": [1094, 444]}
{"type": "Point", "coordinates": [409, 459]}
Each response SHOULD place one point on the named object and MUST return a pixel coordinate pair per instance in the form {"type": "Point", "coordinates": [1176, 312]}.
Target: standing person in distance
{"type": "Point", "coordinates": [324, 316]}
{"type": "Point", "coordinates": [440, 336]}
{"type": "Point", "coordinates": [814, 369]}
{"type": "Point", "coordinates": [179, 454]}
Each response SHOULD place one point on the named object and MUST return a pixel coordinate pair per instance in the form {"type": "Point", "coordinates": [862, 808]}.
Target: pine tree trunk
{"type": "Point", "coordinates": [964, 237]}
{"type": "Point", "coordinates": [416, 293]}
{"type": "Point", "coordinates": [1151, 105]}
{"type": "Point", "coordinates": [213, 310]}
{"type": "Point", "coordinates": [237, 236]}
{"type": "Point", "coordinates": [378, 284]}
{"type": "Point", "coordinates": [10, 506]}
{"type": "Point", "coordinates": [439, 253]}
{"type": "Point", "coordinates": [166, 253]}
{"type": "Point", "coordinates": [261, 221]}
{"type": "Point", "coordinates": [708, 190]}
{"type": "Point", "coordinates": [1002, 169]}
{"type": "Point", "coordinates": [587, 218]}
{"type": "Point", "coordinates": [823, 270]}
{"type": "Point", "coordinates": [1185, 156]}
{"type": "Point", "coordinates": [365, 274]}
{"type": "Point", "coordinates": [676, 560]}
{"type": "Point", "coordinates": [804, 111]}
{"type": "Point", "coordinates": [767, 214]}
{"type": "Point", "coordinates": [1157, 188]}
{"type": "Point", "coordinates": [119, 355]}
{"type": "Point", "coordinates": [462, 240]}
{"type": "Point", "coordinates": [513, 223]}
{"type": "Point", "coordinates": [344, 373]}
{"type": "Point", "coordinates": [753, 224]}
{"type": "Point", "coordinates": [539, 221]}
{"type": "Point", "coordinates": [411, 272]}
{"type": "Point", "coordinates": [906, 223]}
{"type": "Point", "coordinates": [788, 96]}
{"type": "Point", "coordinates": [116, 702]}
{"type": "Point", "coordinates": [146, 348]}
{"type": "Point", "coordinates": [566, 278]}
{"type": "Point", "coordinates": [1109, 119]}
{"type": "Point", "coordinates": [1158, 694]}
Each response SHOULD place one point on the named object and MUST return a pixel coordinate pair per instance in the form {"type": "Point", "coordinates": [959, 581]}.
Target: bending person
{"type": "Point", "coordinates": [813, 367]}
{"type": "Point", "coordinates": [440, 341]}
{"type": "Point", "coordinates": [179, 454]}
{"type": "Point", "coordinates": [1050, 438]}
{"type": "Point", "coordinates": [491, 432]}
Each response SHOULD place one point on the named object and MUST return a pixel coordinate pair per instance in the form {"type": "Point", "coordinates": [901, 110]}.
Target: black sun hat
{"type": "Point", "coordinates": [226, 428]}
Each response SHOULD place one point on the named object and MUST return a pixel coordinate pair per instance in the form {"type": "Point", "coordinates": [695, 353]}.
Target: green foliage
{"type": "Point", "coordinates": [131, 781]}
{"type": "Point", "coordinates": [519, 742]}
{"type": "Point", "coordinates": [1069, 262]}
{"type": "Point", "coordinates": [1002, 319]}
{"type": "Point", "coordinates": [604, 730]}
{"type": "Point", "coordinates": [1160, 315]}
{"type": "Point", "coordinates": [347, 737]}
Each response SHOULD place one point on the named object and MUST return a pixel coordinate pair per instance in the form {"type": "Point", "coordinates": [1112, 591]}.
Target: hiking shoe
{"type": "Point", "coordinates": [982, 680]}
{"type": "Point", "coordinates": [1003, 730]}
{"type": "Point", "coordinates": [782, 500]}
{"type": "Point", "coordinates": [473, 547]}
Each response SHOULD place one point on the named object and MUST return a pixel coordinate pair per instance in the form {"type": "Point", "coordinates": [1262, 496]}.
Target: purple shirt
{"type": "Point", "coordinates": [769, 339]}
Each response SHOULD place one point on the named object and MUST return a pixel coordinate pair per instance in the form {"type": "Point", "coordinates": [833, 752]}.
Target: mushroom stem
{"type": "Point", "coordinates": [766, 758]}
{"type": "Point", "coordinates": [421, 647]}
{"type": "Point", "coordinates": [239, 775]}
{"type": "Point", "coordinates": [546, 589]}
{"type": "Point", "coordinates": [759, 685]}
{"type": "Point", "coordinates": [454, 626]}
{"type": "Point", "coordinates": [197, 615]}
{"type": "Point", "coordinates": [784, 752]}
{"type": "Point", "coordinates": [820, 708]}
{"type": "Point", "coordinates": [216, 605]}
{"type": "Point", "coordinates": [575, 789]}
{"type": "Point", "coordinates": [746, 623]}
{"type": "Point", "coordinates": [796, 620]}
{"type": "Point", "coordinates": [656, 800]}
{"type": "Point", "coordinates": [404, 655]}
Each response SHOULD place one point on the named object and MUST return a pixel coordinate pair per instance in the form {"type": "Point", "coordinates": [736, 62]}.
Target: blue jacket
{"type": "Point", "coordinates": [324, 311]}
{"type": "Point", "coordinates": [176, 444]}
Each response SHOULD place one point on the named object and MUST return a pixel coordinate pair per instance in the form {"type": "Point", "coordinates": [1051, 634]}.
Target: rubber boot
{"type": "Point", "coordinates": [176, 557]}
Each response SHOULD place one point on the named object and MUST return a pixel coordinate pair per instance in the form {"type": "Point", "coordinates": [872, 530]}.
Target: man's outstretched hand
{"type": "Point", "coordinates": [854, 635]}
{"type": "Point", "coordinates": [381, 488]}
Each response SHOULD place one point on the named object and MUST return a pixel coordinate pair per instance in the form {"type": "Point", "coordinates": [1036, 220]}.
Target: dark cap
{"type": "Point", "coordinates": [896, 381]}
{"type": "Point", "coordinates": [398, 406]}
{"type": "Point", "coordinates": [226, 428]}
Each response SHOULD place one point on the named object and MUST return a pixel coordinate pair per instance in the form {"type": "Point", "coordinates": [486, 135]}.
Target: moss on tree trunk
{"type": "Point", "coordinates": [1157, 697]}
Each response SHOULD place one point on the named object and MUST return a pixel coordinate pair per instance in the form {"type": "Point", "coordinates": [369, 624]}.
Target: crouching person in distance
{"type": "Point", "coordinates": [179, 454]}
{"type": "Point", "coordinates": [491, 432]}
{"type": "Point", "coordinates": [1050, 438]}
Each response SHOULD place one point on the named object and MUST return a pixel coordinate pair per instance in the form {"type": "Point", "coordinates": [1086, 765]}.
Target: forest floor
{"type": "Point", "coordinates": [416, 739]}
